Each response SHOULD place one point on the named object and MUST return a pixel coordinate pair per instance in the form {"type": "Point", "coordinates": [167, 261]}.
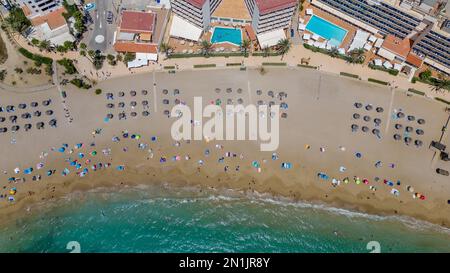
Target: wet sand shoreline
{"type": "Point", "coordinates": [319, 104]}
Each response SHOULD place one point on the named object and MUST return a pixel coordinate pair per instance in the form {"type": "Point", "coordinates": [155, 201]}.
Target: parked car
{"type": "Point", "coordinates": [442, 171]}
{"type": "Point", "coordinates": [444, 156]}
{"type": "Point", "coordinates": [64, 94]}
{"type": "Point", "coordinates": [292, 32]}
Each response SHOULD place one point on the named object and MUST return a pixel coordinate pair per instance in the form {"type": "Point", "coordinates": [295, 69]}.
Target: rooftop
{"type": "Point", "coordinates": [414, 60]}
{"type": "Point", "coordinates": [137, 21]}
{"type": "Point", "coordinates": [54, 19]}
{"type": "Point", "coordinates": [397, 46]}
{"type": "Point", "coordinates": [196, 3]}
{"type": "Point", "coordinates": [135, 47]}
{"type": "Point", "coordinates": [267, 6]}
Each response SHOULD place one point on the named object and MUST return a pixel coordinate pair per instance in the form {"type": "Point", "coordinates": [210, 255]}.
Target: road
{"type": "Point", "coordinates": [99, 35]}
{"type": "Point", "coordinates": [296, 40]}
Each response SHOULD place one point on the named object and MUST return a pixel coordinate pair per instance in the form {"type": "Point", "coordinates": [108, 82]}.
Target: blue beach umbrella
{"type": "Point", "coordinates": [120, 168]}
{"type": "Point", "coordinates": [62, 150]}
{"type": "Point", "coordinates": [28, 171]}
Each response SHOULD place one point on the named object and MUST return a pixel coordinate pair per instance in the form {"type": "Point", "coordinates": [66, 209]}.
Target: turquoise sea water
{"type": "Point", "coordinates": [326, 30]}
{"type": "Point", "coordinates": [230, 35]}
{"type": "Point", "coordinates": [158, 219]}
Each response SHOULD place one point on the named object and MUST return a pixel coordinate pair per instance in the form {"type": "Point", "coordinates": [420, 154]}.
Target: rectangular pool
{"type": "Point", "coordinates": [227, 35]}
{"type": "Point", "coordinates": [326, 30]}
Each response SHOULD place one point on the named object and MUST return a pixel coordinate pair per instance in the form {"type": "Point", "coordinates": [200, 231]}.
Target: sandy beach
{"type": "Point", "coordinates": [316, 137]}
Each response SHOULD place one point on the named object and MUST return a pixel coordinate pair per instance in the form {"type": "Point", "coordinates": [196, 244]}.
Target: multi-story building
{"type": "Point", "coordinates": [428, 41]}
{"type": "Point", "coordinates": [434, 47]}
{"type": "Point", "coordinates": [38, 7]}
{"type": "Point", "coordinates": [198, 12]}
{"type": "Point", "coordinates": [266, 15]}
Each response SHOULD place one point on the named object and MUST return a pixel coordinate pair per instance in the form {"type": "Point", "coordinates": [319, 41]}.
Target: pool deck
{"type": "Point", "coordinates": [351, 30]}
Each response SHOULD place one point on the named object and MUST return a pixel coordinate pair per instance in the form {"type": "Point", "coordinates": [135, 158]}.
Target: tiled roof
{"type": "Point", "coordinates": [414, 59]}
{"type": "Point", "coordinates": [197, 3]}
{"type": "Point", "coordinates": [135, 47]}
{"type": "Point", "coordinates": [267, 6]}
{"type": "Point", "coordinates": [137, 21]}
{"type": "Point", "coordinates": [54, 19]}
{"type": "Point", "coordinates": [397, 46]}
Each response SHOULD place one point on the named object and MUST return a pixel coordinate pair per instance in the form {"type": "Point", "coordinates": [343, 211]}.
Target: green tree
{"type": "Point", "coordinates": [425, 75]}
{"type": "Point", "coordinates": [111, 59]}
{"type": "Point", "coordinates": [35, 42]}
{"type": "Point", "coordinates": [61, 49]}
{"type": "Point", "coordinates": [283, 47]}
{"type": "Point", "coordinates": [266, 51]}
{"type": "Point", "coordinates": [166, 48]}
{"type": "Point", "coordinates": [128, 57]}
{"type": "Point", "coordinates": [83, 53]}
{"type": "Point", "coordinates": [334, 52]}
{"type": "Point", "coordinates": [79, 24]}
{"type": "Point", "coordinates": [83, 46]}
{"type": "Point", "coordinates": [206, 47]}
{"type": "Point", "coordinates": [45, 45]}
{"type": "Point", "coordinates": [3, 75]}
{"type": "Point", "coordinates": [441, 84]}
{"type": "Point", "coordinates": [245, 46]}
{"type": "Point", "coordinates": [16, 20]}
{"type": "Point", "coordinates": [68, 45]}
{"type": "Point", "coordinates": [356, 56]}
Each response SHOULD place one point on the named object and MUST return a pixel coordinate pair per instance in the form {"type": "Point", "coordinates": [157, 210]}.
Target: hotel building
{"type": "Point", "coordinates": [385, 17]}
{"type": "Point", "coordinates": [268, 15]}
{"type": "Point", "coordinates": [198, 12]}
{"type": "Point", "coordinates": [265, 15]}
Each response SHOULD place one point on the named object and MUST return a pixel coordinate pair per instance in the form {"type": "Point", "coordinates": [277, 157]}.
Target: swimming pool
{"type": "Point", "coordinates": [227, 35]}
{"type": "Point", "coordinates": [326, 30]}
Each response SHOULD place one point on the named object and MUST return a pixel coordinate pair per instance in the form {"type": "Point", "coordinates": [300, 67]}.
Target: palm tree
{"type": "Point", "coordinates": [334, 52]}
{"type": "Point", "coordinates": [206, 47]}
{"type": "Point", "coordinates": [283, 45]}
{"type": "Point", "coordinates": [245, 46]}
{"type": "Point", "coordinates": [45, 45]}
{"type": "Point", "coordinates": [356, 56]}
{"type": "Point", "coordinates": [441, 84]}
{"type": "Point", "coordinates": [266, 51]}
{"type": "Point", "coordinates": [166, 48]}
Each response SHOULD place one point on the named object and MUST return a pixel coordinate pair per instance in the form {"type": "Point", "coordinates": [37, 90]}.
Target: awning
{"type": "Point", "coordinates": [387, 65]}
{"type": "Point", "coordinates": [125, 36]}
{"type": "Point", "coordinates": [386, 54]}
{"type": "Point", "coordinates": [378, 62]}
{"type": "Point", "coordinates": [142, 59]}
{"type": "Point", "coordinates": [271, 38]}
{"type": "Point", "coordinates": [360, 40]}
{"type": "Point", "coordinates": [183, 29]}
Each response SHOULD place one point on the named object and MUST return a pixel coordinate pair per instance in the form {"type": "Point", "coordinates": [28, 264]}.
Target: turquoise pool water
{"type": "Point", "coordinates": [227, 35]}
{"type": "Point", "coordinates": [326, 30]}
